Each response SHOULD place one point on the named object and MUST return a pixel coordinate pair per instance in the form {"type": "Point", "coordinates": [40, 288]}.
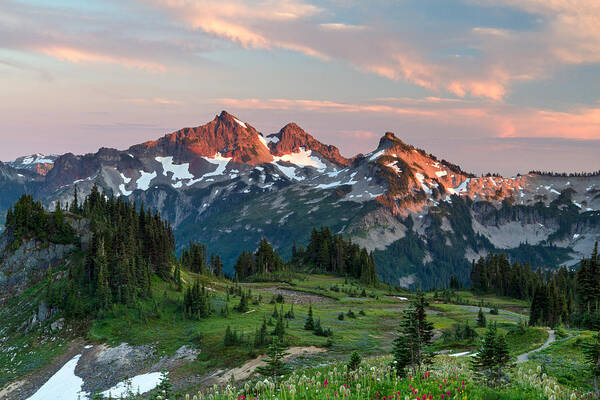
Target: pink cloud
{"type": "Point", "coordinates": [497, 119]}
{"type": "Point", "coordinates": [154, 100]}
{"type": "Point", "coordinates": [78, 56]}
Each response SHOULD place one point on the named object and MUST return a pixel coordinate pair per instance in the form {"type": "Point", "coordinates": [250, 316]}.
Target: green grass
{"type": "Point", "coordinates": [521, 341]}
{"type": "Point", "coordinates": [564, 360]}
{"type": "Point", "coordinates": [22, 352]}
{"type": "Point", "coordinates": [159, 322]}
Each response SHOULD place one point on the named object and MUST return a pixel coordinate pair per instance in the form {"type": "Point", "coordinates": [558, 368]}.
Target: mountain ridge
{"type": "Point", "coordinates": [226, 180]}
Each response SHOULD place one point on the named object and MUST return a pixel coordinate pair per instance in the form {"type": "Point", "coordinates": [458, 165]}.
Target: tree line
{"type": "Point", "coordinates": [558, 296]}
{"type": "Point", "coordinates": [328, 252]}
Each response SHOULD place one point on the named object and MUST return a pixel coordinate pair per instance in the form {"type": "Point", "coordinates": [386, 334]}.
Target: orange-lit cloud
{"type": "Point", "coordinates": [498, 119]}
{"type": "Point", "coordinates": [239, 21]}
{"type": "Point", "coordinates": [78, 56]}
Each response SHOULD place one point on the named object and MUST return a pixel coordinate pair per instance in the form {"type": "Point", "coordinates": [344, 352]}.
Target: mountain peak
{"type": "Point", "coordinates": [225, 134]}
{"type": "Point", "coordinates": [292, 137]}
{"type": "Point", "coordinates": [390, 140]}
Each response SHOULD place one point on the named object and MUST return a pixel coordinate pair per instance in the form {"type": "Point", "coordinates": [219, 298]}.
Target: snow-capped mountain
{"type": "Point", "coordinates": [37, 163]}
{"type": "Point", "coordinates": [227, 184]}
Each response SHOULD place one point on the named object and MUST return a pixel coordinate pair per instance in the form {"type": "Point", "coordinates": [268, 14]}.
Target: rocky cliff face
{"type": "Point", "coordinates": [28, 262]}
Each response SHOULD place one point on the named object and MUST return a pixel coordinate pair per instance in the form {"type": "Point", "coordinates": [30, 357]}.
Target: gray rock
{"type": "Point", "coordinates": [57, 325]}
{"type": "Point", "coordinates": [43, 311]}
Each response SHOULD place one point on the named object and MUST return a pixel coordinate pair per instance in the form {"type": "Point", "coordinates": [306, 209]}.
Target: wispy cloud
{"type": "Point", "coordinates": [499, 119]}
{"type": "Point", "coordinates": [79, 56]}
{"type": "Point", "coordinates": [154, 100]}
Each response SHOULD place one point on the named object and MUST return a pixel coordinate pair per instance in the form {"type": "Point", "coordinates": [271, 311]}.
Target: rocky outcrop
{"type": "Point", "coordinates": [291, 138]}
{"type": "Point", "coordinates": [27, 264]}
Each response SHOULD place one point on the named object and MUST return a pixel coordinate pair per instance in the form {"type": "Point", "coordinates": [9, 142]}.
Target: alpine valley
{"type": "Point", "coordinates": [228, 185]}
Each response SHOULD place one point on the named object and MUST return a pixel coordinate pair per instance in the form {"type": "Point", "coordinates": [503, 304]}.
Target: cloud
{"type": "Point", "coordinates": [495, 119]}
{"type": "Point", "coordinates": [154, 100]}
{"type": "Point", "coordinates": [78, 56]}
{"type": "Point", "coordinates": [342, 27]}
{"type": "Point", "coordinates": [240, 21]}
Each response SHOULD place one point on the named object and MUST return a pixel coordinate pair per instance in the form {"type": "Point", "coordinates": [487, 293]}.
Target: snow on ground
{"type": "Point", "coordinates": [375, 156]}
{"type": "Point", "coordinates": [240, 123]}
{"type": "Point", "coordinates": [138, 384]}
{"type": "Point", "coordinates": [334, 184]}
{"type": "Point", "coordinates": [420, 178]}
{"type": "Point", "coordinates": [36, 159]}
{"type": "Point", "coordinates": [393, 166]}
{"type": "Point", "coordinates": [64, 384]}
{"type": "Point", "coordinates": [439, 174]}
{"type": "Point", "coordinates": [125, 179]}
{"type": "Point", "coordinates": [460, 188]}
{"type": "Point", "coordinates": [289, 171]}
{"type": "Point", "coordinates": [263, 140]}
{"type": "Point", "coordinates": [124, 191]}
{"type": "Point", "coordinates": [143, 182]}
{"type": "Point", "coordinates": [180, 171]}
{"type": "Point", "coordinates": [221, 163]}
{"type": "Point", "coordinates": [303, 158]}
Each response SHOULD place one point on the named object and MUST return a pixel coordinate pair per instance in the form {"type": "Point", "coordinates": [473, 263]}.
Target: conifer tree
{"type": "Point", "coordinates": [414, 336]}
{"type": "Point", "coordinates": [592, 358]}
{"type": "Point", "coordinates": [355, 360]}
{"type": "Point", "coordinates": [279, 327]}
{"type": "Point", "coordinates": [481, 321]}
{"type": "Point", "coordinates": [492, 356]}
{"type": "Point", "coordinates": [275, 366]}
{"type": "Point", "coordinates": [309, 325]}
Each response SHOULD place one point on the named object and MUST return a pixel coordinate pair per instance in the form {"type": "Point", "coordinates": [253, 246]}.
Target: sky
{"type": "Point", "coordinates": [492, 85]}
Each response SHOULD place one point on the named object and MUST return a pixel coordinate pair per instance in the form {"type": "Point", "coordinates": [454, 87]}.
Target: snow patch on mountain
{"type": "Point", "coordinates": [376, 155]}
{"type": "Point", "coordinates": [289, 171]}
{"type": "Point", "coordinates": [303, 158]}
{"type": "Point", "coordinates": [240, 123]}
{"type": "Point", "coordinates": [179, 171]}
{"type": "Point", "coordinates": [143, 182]}
{"type": "Point", "coordinates": [264, 141]}
{"type": "Point", "coordinates": [36, 159]}
{"type": "Point", "coordinates": [64, 384]}
{"type": "Point", "coordinates": [138, 384]}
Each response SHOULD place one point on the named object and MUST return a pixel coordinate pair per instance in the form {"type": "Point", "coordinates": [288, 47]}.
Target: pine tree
{"type": "Point", "coordinates": [592, 358]}
{"type": "Point", "coordinates": [309, 325]}
{"type": "Point", "coordinates": [415, 336]}
{"type": "Point", "coordinates": [279, 327]}
{"type": "Point", "coordinates": [355, 360]}
{"type": "Point", "coordinates": [275, 366]}
{"type": "Point", "coordinates": [492, 356]}
{"type": "Point", "coordinates": [481, 321]}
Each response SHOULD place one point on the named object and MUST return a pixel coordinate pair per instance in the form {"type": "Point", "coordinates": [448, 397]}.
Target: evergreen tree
{"type": "Point", "coordinates": [275, 366]}
{"type": "Point", "coordinates": [279, 327]}
{"type": "Point", "coordinates": [309, 325]}
{"type": "Point", "coordinates": [592, 358]}
{"type": "Point", "coordinates": [355, 360]}
{"type": "Point", "coordinates": [481, 321]}
{"type": "Point", "coordinates": [492, 356]}
{"type": "Point", "coordinates": [414, 337]}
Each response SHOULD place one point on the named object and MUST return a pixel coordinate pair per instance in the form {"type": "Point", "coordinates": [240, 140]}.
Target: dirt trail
{"type": "Point", "coordinates": [521, 358]}
{"type": "Point", "coordinates": [246, 370]}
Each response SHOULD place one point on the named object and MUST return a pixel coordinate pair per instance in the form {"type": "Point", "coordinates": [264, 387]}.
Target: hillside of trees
{"type": "Point", "coordinates": [563, 296]}
{"type": "Point", "coordinates": [126, 246]}
{"type": "Point", "coordinates": [328, 252]}
{"type": "Point", "coordinates": [325, 253]}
